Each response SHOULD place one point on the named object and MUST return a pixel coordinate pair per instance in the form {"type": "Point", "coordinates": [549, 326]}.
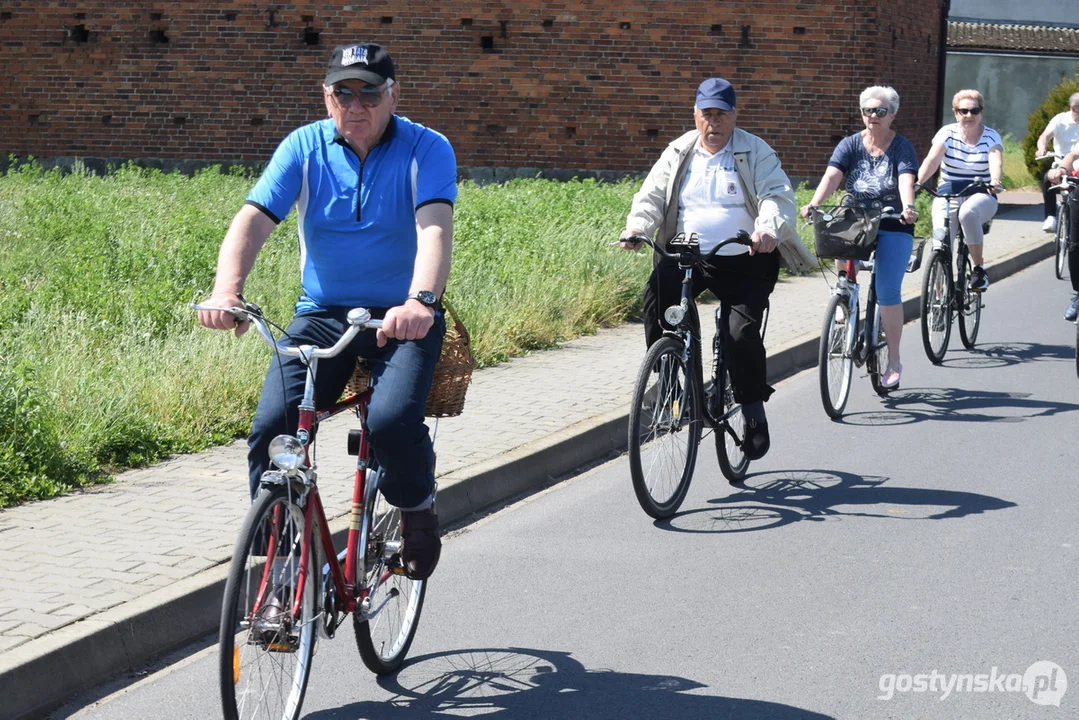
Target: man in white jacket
{"type": "Point", "coordinates": [715, 181]}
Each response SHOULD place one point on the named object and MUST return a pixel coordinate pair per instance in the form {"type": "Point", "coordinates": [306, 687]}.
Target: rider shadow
{"type": "Point", "coordinates": [526, 683]}
{"type": "Point", "coordinates": [787, 496]}
{"type": "Point", "coordinates": [1005, 354]}
{"type": "Point", "coordinates": [957, 404]}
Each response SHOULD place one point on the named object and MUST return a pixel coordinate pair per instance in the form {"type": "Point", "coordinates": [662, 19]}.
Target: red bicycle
{"type": "Point", "coordinates": [287, 585]}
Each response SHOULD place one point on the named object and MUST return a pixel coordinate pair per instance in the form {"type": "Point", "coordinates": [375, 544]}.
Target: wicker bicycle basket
{"type": "Point", "coordinates": [453, 372]}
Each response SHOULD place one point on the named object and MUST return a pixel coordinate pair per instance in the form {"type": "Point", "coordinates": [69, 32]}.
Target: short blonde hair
{"type": "Point", "coordinates": [967, 95]}
{"type": "Point", "coordinates": [886, 95]}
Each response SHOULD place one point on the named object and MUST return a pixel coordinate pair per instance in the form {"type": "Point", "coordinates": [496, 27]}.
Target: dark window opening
{"type": "Point", "coordinates": [625, 25]}
{"type": "Point", "coordinates": [256, 121]}
{"type": "Point", "coordinates": [307, 18]}
{"type": "Point", "coordinates": [230, 16]}
{"type": "Point", "coordinates": [386, 19]}
{"type": "Point", "coordinates": [487, 42]}
{"type": "Point", "coordinates": [80, 16]}
{"type": "Point", "coordinates": [652, 133]}
{"type": "Point", "coordinates": [466, 22]}
{"type": "Point", "coordinates": [745, 37]}
{"type": "Point", "coordinates": [179, 121]}
{"type": "Point", "coordinates": [155, 17]}
{"type": "Point", "coordinates": [503, 28]}
{"type": "Point", "coordinates": [571, 132]}
{"type": "Point", "coordinates": [548, 23]}
{"type": "Point", "coordinates": [716, 30]}
{"type": "Point", "coordinates": [799, 31]}
{"type": "Point", "coordinates": [79, 34]}
{"type": "Point", "coordinates": [5, 15]}
{"type": "Point", "coordinates": [310, 37]}
{"type": "Point", "coordinates": [492, 129]}
{"type": "Point", "coordinates": [106, 119]}
{"type": "Point", "coordinates": [158, 37]}
{"type": "Point", "coordinates": [35, 119]}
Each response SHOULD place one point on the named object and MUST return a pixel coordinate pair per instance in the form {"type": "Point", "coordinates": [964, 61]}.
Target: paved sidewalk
{"type": "Point", "coordinates": [97, 582]}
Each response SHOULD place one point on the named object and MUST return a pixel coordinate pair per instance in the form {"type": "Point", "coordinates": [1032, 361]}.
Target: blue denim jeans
{"type": "Point", "coordinates": [401, 373]}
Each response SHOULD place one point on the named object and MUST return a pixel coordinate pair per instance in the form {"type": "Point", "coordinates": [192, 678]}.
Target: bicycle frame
{"type": "Point", "coordinates": [858, 345]}
{"type": "Point", "coordinates": [342, 567]}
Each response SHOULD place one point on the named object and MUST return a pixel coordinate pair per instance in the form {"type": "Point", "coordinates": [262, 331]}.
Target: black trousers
{"type": "Point", "coordinates": [1049, 199]}
{"type": "Point", "coordinates": [743, 282]}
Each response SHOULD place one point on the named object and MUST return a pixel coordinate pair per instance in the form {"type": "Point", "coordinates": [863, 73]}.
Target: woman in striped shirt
{"type": "Point", "coordinates": [965, 151]}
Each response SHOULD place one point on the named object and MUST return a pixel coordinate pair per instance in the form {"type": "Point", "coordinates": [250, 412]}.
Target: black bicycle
{"type": "Point", "coordinates": [671, 406]}
{"type": "Point", "coordinates": [1063, 241]}
{"type": "Point", "coordinates": [944, 298]}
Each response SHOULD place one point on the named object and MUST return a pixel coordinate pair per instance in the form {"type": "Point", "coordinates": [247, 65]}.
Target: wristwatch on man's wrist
{"type": "Point", "coordinates": [425, 297]}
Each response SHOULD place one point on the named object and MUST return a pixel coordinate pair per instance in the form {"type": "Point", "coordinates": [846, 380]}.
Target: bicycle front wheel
{"type": "Point", "coordinates": [834, 361]}
{"type": "Point", "coordinates": [266, 647]}
{"type": "Point", "coordinates": [1061, 238]}
{"type": "Point", "coordinates": [936, 308]}
{"type": "Point", "coordinates": [384, 632]}
{"type": "Point", "coordinates": [664, 428]}
{"type": "Point", "coordinates": [970, 309]}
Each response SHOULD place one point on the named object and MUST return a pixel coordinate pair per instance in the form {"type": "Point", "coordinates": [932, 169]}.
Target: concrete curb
{"type": "Point", "coordinates": [46, 672]}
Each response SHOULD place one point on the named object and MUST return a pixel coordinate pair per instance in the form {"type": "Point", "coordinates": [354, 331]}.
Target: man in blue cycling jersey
{"type": "Point", "coordinates": [374, 194]}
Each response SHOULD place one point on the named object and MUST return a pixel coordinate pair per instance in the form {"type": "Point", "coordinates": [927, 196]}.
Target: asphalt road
{"type": "Point", "coordinates": [864, 565]}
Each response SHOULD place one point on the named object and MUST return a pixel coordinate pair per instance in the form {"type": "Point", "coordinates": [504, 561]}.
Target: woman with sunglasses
{"type": "Point", "coordinates": [879, 167]}
{"type": "Point", "coordinates": [965, 151]}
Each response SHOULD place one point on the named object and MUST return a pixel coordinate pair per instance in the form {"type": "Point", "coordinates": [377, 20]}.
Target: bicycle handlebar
{"type": "Point", "coordinates": [742, 238]}
{"type": "Point", "coordinates": [977, 185]}
{"type": "Point", "coordinates": [358, 319]}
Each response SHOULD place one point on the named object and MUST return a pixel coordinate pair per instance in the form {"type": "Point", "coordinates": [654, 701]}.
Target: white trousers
{"type": "Point", "coordinates": [975, 211]}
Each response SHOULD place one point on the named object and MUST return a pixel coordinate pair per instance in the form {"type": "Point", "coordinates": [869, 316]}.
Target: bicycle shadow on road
{"type": "Point", "coordinates": [1005, 354]}
{"type": "Point", "coordinates": [905, 407]}
{"type": "Point", "coordinates": [529, 683]}
{"type": "Point", "coordinates": [783, 497]}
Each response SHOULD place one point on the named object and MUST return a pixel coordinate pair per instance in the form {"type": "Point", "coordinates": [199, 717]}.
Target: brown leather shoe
{"type": "Point", "coordinates": [420, 544]}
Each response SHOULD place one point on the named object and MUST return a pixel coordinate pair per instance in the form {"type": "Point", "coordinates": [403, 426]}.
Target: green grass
{"type": "Point", "coordinates": [1015, 174]}
{"type": "Point", "coordinates": [102, 365]}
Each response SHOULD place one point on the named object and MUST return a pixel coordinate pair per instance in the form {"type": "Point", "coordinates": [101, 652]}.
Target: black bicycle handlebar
{"type": "Point", "coordinates": [974, 187]}
{"type": "Point", "coordinates": [742, 238]}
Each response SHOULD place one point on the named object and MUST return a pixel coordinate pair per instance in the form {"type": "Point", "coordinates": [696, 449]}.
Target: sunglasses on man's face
{"type": "Point", "coordinates": [368, 97]}
{"type": "Point", "coordinates": [875, 112]}
{"type": "Point", "coordinates": [969, 111]}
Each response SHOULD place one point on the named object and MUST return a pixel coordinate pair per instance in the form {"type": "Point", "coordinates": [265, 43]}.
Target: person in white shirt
{"type": "Point", "coordinates": [1064, 131]}
{"type": "Point", "coordinates": [965, 151]}
{"type": "Point", "coordinates": [715, 181]}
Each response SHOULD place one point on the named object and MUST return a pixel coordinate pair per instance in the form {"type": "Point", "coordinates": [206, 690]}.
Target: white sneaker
{"type": "Point", "coordinates": [1050, 224]}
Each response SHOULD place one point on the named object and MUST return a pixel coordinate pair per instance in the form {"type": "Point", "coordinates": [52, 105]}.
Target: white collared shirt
{"type": "Point", "coordinates": [711, 202]}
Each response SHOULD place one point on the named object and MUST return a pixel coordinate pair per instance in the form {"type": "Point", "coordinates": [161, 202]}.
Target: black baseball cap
{"type": "Point", "coordinates": [363, 61]}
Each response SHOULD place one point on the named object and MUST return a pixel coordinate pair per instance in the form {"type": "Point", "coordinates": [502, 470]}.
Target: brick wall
{"type": "Point", "coordinates": [522, 84]}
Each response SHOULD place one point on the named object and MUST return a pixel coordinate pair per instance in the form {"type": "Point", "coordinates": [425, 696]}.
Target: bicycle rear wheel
{"type": "Point", "coordinates": [385, 632]}
{"type": "Point", "coordinates": [664, 428]}
{"type": "Point", "coordinates": [834, 362]}
{"type": "Point", "coordinates": [970, 306]}
{"type": "Point", "coordinates": [1061, 238]}
{"type": "Point", "coordinates": [266, 649]}
{"type": "Point", "coordinates": [733, 462]}
{"type": "Point", "coordinates": [936, 318]}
